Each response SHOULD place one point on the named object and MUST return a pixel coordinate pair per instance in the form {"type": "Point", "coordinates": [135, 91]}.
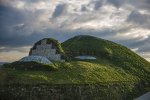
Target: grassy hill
{"type": "Point", "coordinates": [115, 65]}
{"type": "Point", "coordinates": [115, 54]}
{"type": "Point", "coordinates": [74, 72]}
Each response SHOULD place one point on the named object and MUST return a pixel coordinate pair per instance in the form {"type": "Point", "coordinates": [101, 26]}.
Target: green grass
{"type": "Point", "coordinates": [75, 72]}
{"type": "Point", "coordinates": [110, 79]}
{"type": "Point", "coordinates": [115, 64]}
{"type": "Point", "coordinates": [116, 54]}
{"type": "Point", "coordinates": [34, 66]}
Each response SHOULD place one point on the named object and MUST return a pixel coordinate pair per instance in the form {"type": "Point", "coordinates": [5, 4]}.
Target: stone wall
{"type": "Point", "coordinates": [65, 92]}
{"type": "Point", "coordinates": [46, 50]}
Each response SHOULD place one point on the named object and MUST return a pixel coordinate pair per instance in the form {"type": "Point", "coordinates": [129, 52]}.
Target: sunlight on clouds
{"type": "Point", "coordinates": [135, 49]}
{"type": "Point", "coordinates": [29, 18]}
{"type": "Point", "coordinates": [133, 33]}
{"type": "Point", "coordinates": [24, 49]}
{"type": "Point", "coordinates": [146, 55]}
{"type": "Point", "coordinates": [107, 17]}
{"type": "Point", "coordinates": [2, 48]}
{"type": "Point", "coordinates": [11, 56]}
{"type": "Point", "coordinates": [148, 59]}
{"type": "Point", "coordinates": [20, 4]}
{"type": "Point", "coordinates": [31, 6]}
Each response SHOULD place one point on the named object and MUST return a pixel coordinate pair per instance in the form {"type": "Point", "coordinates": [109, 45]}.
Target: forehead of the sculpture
{"type": "Point", "coordinates": [46, 41]}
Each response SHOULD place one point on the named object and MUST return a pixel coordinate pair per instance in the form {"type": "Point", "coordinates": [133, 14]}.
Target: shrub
{"type": "Point", "coordinates": [29, 66]}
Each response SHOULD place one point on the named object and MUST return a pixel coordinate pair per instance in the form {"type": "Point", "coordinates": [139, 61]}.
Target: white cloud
{"type": "Point", "coordinates": [145, 55]}
{"type": "Point", "coordinates": [123, 18]}
{"type": "Point", "coordinates": [24, 49]}
{"type": "Point", "coordinates": [11, 56]}
{"type": "Point", "coordinates": [133, 33]}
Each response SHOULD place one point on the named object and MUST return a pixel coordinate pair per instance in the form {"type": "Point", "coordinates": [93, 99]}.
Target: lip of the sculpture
{"type": "Point", "coordinates": [39, 59]}
{"type": "Point", "coordinates": [55, 44]}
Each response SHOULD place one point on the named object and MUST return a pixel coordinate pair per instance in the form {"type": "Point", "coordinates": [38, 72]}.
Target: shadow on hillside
{"type": "Point", "coordinates": [139, 89]}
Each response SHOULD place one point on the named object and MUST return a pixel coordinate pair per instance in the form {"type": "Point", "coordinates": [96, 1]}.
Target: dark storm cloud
{"type": "Point", "coordinates": [33, 1]}
{"type": "Point", "coordinates": [17, 27]}
{"type": "Point", "coordinates": [98, 4]}
{"type": "Point", "coordinates": [146, 45]}
{"type": "Point", "coordinates": [139, 19]}
{"type": "Point", "coordinates": [141, 45]}
{"type": "Point", "coordinates": [59, 10]}
{"type": "Point", "coordinates": [131, 43]}
{"type": "Point", "coordinates": [116, 3]}
{"type": "Point", "coordinates": [8, 49]}
{"type": "Point", "coordinates": [144, 49]}
{"type": "Point", "coordinates": [18, 41]}
{"type": "Point", "coordinates": [140, 4]}
{"type": "Point", "coordinates": [148, 1]}
{"type": "Point", "coordinates": [9, 17]}
{"type": "Point", "coordinates": [13, 31]}
{"type": "Point", "coordinates": [15, 40]}
{"type": "Point", "coordinates": [84, 8]}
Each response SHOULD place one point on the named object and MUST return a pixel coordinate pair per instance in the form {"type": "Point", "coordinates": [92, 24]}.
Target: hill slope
{"type": "Point", "coordinates": [116, 54]}
{"type": "Point", "coordinates": [119, 72]}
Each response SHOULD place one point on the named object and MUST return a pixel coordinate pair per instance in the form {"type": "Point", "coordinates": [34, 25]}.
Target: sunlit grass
{"type": "Point", "coordinates": [75, 72]}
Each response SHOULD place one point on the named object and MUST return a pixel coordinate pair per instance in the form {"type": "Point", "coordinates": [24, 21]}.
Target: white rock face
{"type": "Point", "coordinates": [39, 59]}
{"type": "Point", "coordinates": [86, 57]}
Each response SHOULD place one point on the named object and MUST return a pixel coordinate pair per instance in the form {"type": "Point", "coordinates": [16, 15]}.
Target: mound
{"type": "Point", "coordinates": [105, 71]}
{"type": "Point", "coordinates": [88, 45]}
{"type": "Point", "coordinates": [116, 54]}
{"type": "Point", "coordinates": [29, 66]}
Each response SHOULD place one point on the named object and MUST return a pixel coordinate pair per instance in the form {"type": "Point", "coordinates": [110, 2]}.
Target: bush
{"type": "Point", "coordinates": [29, 66]}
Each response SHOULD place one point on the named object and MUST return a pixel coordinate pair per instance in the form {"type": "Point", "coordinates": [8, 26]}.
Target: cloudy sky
{"type": "Point", "coordinates": [23, 22]}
